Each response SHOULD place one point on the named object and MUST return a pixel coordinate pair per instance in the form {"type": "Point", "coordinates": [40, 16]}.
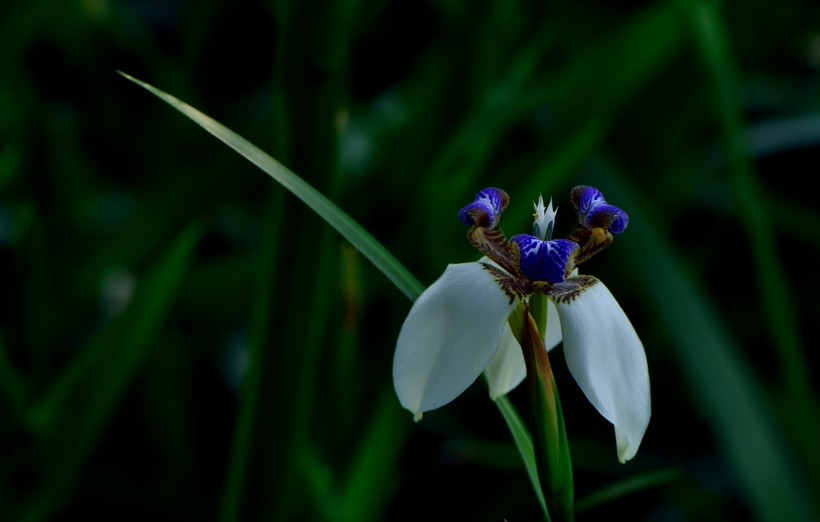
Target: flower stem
{"type": "Point", "coordinates": [549, 434]}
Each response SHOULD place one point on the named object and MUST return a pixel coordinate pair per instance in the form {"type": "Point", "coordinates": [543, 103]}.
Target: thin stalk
{"type": "Point", "coordinates": [550, 441]}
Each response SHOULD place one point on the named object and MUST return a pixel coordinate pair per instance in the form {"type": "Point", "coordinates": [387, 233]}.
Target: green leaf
{"type": "Point", "coordinates": [252, 394]}
{"type": "Point", "coordinates": [777, 298]}
{"type": "Point", "coordinates": [628, 486]}
{"type": "Point", "coordinates": [523, 441]}
{"type": "Point", "coordinates": [11, 156]}
{"type": "Point", "coordinates": [371, 480]}
{"type": "Point", "coordinates": [362, 494]}
{"type": "Point", "coordinates": [335, 217]}
{"type": "Point", "coordinates": [73, 412]}
{"type": "Point", "coordinates": [350, 230]}
{"type": "Point", "coordinates": [13, 392]}
{"type": "Point", "coordinates": [726, 390]}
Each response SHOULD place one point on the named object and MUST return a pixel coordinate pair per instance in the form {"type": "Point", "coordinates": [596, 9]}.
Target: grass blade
{"type": "Point", "coordinates": [351, 231]}
{"type": "Point", "coordinates": [335, 217]}
{"type": "Point", "coordinates": [523, 441]}
{"type": "Point", "coordinates": [72, 414]}
{"type": "Point", "coordinates": [627, 487]}
{"type": "Point", "coordinates": [730, 396]}
{"type": "Point", "coordinates": [752, 202]}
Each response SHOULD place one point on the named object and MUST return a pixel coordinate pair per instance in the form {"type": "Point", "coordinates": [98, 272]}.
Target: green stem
{"type": "Point", "coordinates": [550, 440]}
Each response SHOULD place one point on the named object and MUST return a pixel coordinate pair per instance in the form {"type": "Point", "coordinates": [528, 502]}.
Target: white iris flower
{"type": "Point", "coordinates": [458, 327]}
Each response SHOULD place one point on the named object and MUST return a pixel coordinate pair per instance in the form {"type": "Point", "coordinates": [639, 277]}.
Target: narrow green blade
{"type": "Point", "coordinates": [335, 217]}
{"type": "Point", "coordinates": [73, 412]}
{"type": "Point", "coordinates": [523, 441]}
{"type": "Point", "coordinates": [727, 391]}
{"type": "Point", "coordinates": [350, 230]}
{"type": "Point", "coordinates": [627, 487]}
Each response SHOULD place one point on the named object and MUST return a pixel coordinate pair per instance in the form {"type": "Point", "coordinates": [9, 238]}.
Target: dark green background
{"type": "Point", "coordinates": [145, 267]}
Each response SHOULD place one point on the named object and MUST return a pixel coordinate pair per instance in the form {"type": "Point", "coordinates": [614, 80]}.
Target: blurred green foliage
{"type": "Point", "coordinates": [181, 338]}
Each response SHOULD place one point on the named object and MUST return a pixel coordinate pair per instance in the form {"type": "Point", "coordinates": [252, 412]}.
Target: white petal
{"type": "Point", "coordinates": [607, 359]}
{"type": "Point", "coordinates": [553, 335]}
{"type": "Point", "coordinates": [507, 369]}
{"type": "Point", "coordinates": [450, 335]}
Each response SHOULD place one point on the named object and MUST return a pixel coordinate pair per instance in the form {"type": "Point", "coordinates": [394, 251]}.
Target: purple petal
{"type": "Point", "coordinates": [544, 260]}
{"type": "Point", "coordinates": [595, 212]}
{"type": "Point", "coordinates": [486, 208]}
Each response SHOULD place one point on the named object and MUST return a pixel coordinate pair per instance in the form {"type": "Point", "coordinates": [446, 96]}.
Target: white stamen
{"type": "Point", "coordinates": [544, 220]}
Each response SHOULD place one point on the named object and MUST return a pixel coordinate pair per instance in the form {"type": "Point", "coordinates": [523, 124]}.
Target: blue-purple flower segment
{"type": "Point", "coordinates": [479, 214]}
{"type": "Point", "coordinates": [486, 208]}
{"type": "Point", "coordinates": [545, 260]}
{"type": "Point", "coordinates": [495, 197]}
{"type": "Point", "coordinates": [585, 197]}
{"type": "Point", "coordinates": [608, 217]}
{"type": "Point", "coordinates": [595, 212]}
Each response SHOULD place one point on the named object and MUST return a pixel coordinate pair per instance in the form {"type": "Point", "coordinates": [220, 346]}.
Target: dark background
{"type": "Point", "coordinates": [146, 269]}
